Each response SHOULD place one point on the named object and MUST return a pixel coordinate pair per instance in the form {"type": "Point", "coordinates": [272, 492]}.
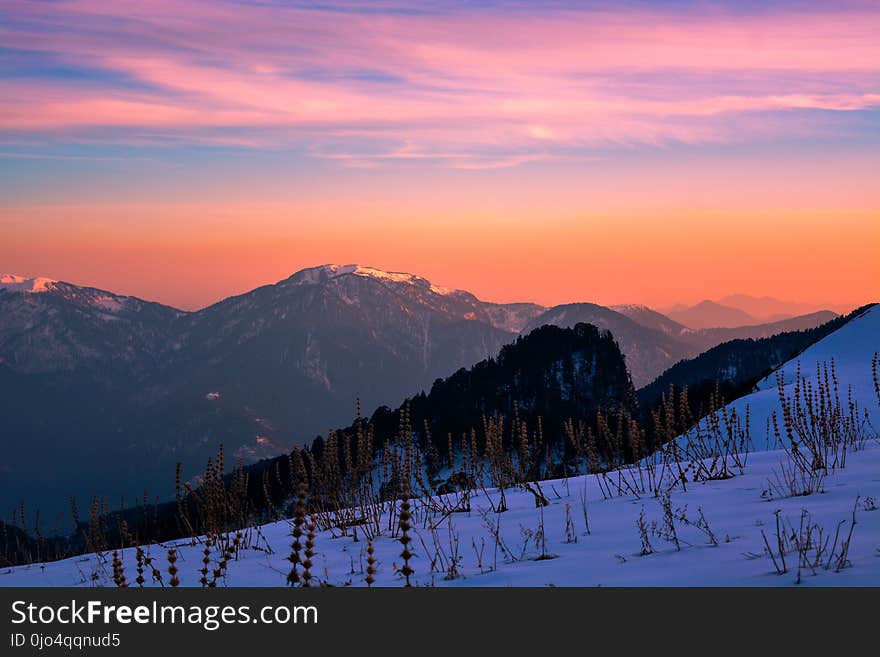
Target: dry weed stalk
{"type": "Point", "coordinates": [406, 540]}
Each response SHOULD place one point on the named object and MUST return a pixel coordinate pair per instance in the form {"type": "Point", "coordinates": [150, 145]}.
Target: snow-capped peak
{"type": "Point", "coordinates": [15, 283]}
{"type": "Point", "coordinates": [372, 272]}
{"type": "Point", "coordinates": [326, 272]}
{"type": "Point", "coordinates": [396, 277]}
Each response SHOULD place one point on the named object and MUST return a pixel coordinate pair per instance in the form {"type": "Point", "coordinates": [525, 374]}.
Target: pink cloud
{"type": "Point", "coordinates": [438, 83]}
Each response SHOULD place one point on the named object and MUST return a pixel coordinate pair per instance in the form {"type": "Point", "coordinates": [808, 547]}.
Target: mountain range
{"type": "Point", "coordinates": [738, 310]}
{"type": "Point", "coordinates": [93, 377]}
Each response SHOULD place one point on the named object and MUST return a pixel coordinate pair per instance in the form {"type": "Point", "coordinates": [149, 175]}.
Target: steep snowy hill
{"type": "Point", "coordinates": [850, 349]}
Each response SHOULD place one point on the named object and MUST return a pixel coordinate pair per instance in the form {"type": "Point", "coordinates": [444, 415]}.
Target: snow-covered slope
{"type": "Point", "coordinates": [851, 349]}
{"type": "Point", "coordinates": [324, 272]}
{"type": "Point", "coordinates": [735, 511]}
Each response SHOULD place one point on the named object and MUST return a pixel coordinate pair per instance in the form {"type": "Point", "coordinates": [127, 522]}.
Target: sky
{"type": "Point", "coordinates": [618, 152]}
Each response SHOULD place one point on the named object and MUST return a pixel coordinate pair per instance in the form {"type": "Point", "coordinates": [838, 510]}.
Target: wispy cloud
{"type": "Point", "coordinates": [496, 84]}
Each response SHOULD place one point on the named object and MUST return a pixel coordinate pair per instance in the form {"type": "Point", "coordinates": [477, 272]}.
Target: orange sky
{"type": "Point", "coordinates": [609, 258]}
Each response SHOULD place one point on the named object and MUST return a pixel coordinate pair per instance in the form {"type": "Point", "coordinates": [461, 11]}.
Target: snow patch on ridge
{"type": "Point", "coordinates": [630, 307]}
{"type": "Point", "coordinates": [327, 272]}
{"type": "Point", "coordinates": [851, 349]}
{"type": "Point", "coordinates": [15, 283]}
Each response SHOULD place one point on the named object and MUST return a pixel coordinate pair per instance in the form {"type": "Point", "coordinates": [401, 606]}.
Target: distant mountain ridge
{"type": "Point", "coordinates": [710, 314]}
{"type": "Point", "coordinates": [738, 310]}
{"type": "Point", "coordinates": [767, 309]}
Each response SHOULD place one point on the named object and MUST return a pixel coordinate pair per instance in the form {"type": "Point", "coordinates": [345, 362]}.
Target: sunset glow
{"type": "Point", "coordinates": [652, 152]}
